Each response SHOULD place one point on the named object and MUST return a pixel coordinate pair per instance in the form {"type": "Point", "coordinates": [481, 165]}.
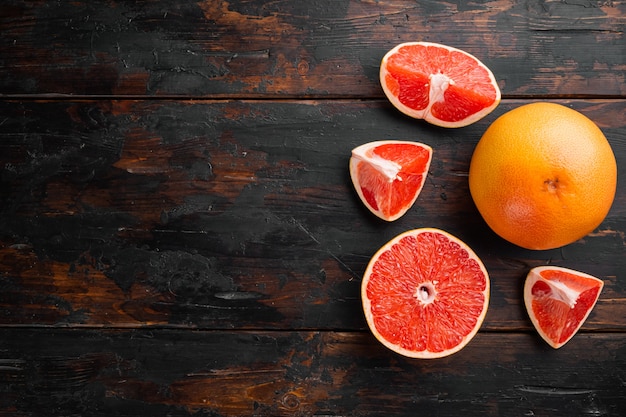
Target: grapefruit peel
{"type": "Point", "coordinates": [543, 176]}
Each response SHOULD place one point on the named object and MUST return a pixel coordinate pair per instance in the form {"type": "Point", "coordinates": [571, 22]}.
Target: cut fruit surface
{"type": "Point", "coordinates": [559, 300]}
{"type": "Point", "coordinates": [425, 294]}
{"type": "Point", "coordinates": [443, 85]}
{"type": "Point", "coordinates": [389, 175]}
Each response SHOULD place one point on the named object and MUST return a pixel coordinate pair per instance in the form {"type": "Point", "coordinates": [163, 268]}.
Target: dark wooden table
{"type": "Point", "coordinates": [179, 234]}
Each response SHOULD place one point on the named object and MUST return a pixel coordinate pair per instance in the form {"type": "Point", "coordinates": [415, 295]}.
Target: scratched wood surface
{"type": "Point", "coordinates": [300, 49]}
{"type": "Point", "coordinates": [179, 234]}
{"type": "Point", "coordinates": [181, 373]}
{"type": "Point", "coordinates": [230, 214]}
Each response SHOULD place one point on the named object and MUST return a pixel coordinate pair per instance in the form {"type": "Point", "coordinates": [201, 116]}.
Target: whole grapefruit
{"type": "Point", "coordinates": [543, 176]}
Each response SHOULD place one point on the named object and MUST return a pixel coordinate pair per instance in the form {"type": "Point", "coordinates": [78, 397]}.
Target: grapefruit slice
{"type": "Point", "coordinates": [425, 294]}
{"type": "Point", "coordinates": [559, 300]}
{"type": "Point", "coordinates": [389, 175]}
{"type": "Point", "coordinates": [445, 86]}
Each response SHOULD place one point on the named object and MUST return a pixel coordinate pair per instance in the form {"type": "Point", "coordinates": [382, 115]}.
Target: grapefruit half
{"type": "Point", "coordinates": [559, 300]}
{"type": "Point", "coordinates": [425, 294]}
{"type": "Point", "coordinates": [443, 85]}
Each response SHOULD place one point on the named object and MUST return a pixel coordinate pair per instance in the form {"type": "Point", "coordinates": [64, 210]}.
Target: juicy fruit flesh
{"type": "Point", "coordinates": [389, 175]}
{"type": "Point", "coordinates": [439, 83]}
{"type": "Point", "coordinates": [560, 301]}
{"type": "Point", "coordinates": [426, 294]}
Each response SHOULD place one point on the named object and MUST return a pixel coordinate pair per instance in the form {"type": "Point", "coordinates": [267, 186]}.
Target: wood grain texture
{"type": "Point", "coordinates": [179, 235]}
{"type": "Point", "coordinates": [182, 373]}
{"type": "Point", "coordinates": [218, 214]}
{"type": "Point", "coordinates": [297, 49]}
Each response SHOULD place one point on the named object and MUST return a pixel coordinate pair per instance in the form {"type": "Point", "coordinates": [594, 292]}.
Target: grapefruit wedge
{"type": "Point", "coordinates": [389, 175]}
{"type": "Point", "coordinates": [443, 85]}
{"type": "Point", "coordinates": [559, 300]}
{"type": "Point", "coordinates": [425, 294]}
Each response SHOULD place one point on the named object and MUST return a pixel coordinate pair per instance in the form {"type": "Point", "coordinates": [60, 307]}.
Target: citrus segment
{"type": "Point", "coordinates": [543, 176]}
{"type": "Point", "coordinates": [445, 86]}
{"type": "Point", "coordinates": [389, 175]}
{"type": "Point", "coordinates": [425, 294]}
{"type": "Point", "coordinates": [559, 300]}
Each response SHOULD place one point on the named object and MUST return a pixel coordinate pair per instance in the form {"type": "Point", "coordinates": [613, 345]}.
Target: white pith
{"type": "Point", "coordinates": [425, 293]}
{"type": "Point", "coordinates": [388, 168]}
{"type": "Point", "coordinates": [561, 292]}
{"type": "Point", "coordinates": [439, 83]}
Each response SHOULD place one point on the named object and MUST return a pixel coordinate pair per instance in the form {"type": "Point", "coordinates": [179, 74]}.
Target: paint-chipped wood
{"type": "Point", "coordinates": [286, 373]}
{"type": "Point", "coordinates": [179, 234]}
{"type": "Point", "coordinates": [207, 214]}
{"type": "Point", "coordinates": [293, 49]}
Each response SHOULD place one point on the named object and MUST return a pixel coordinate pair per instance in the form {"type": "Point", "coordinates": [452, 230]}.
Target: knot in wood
{"type": "Point", "coordinates": [303, 67]}
{"type": "Point", "coordinates": [290, 401]}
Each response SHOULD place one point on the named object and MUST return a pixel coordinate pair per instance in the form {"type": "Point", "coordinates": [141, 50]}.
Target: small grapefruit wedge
{"type": "Point", "coordinates": [389, 175]}
{"type": "Point", "coordinates": [443, 85]}
{"type": "Point", "coordinates": [425, 294]}
{"type": "Point", "coordinates": [559, 300]}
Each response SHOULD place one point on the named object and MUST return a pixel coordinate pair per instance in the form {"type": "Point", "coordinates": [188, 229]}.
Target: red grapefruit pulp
{"type": "Point", "coordinates": [389, 175]}
{"type": "Point", "coordinates": [425, 294]}
{"type": "Point", "coordinates": [445, 86]}
{"type": "Point", "coordinates": [559, 300]}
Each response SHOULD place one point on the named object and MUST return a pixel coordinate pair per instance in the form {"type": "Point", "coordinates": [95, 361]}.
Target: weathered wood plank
{"type": "Point", "coordinates": [180, 373]}
{"type": "Point", "coordinates": [215, 214]}
{"type": "Point", "coordinates": [291, 48]}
